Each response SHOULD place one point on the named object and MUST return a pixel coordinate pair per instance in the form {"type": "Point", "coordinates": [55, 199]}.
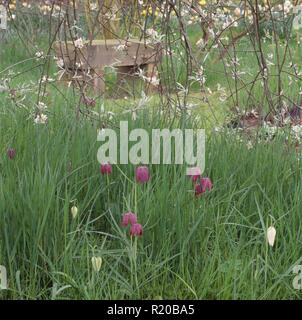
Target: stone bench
{"type": "Point", "coordinates": [126, 56]}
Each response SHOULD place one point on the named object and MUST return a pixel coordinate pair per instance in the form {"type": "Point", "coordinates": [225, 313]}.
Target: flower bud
{"type": "Point", "coordinates": [271, 234]}
{"type": "Point", "coordinates": [74, 211]}
{"type": "Point", "coordinates": [96, 263]}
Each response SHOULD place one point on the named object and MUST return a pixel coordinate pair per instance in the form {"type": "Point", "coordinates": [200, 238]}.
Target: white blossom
{"type": "Point", "coordinates": [79, 43]}
{"type": "Point", "coordinates": [40, 118]}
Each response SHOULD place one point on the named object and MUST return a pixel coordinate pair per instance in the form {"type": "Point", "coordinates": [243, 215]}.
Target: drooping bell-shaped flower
{"type": "Point", "coordinates": [105, 168]}
{"type": "Point", "coordinates": [74, 211]}
{"type": "Point", "coordinates": [96, 263]}
{"type": "Point", "coordinates": [197, 190]}
{"type": "Point", "coordinates": [201, 188]}
{"type": "Point", "coordinates": [11, 153]}
{"type": "Point", "coordinates": [194, 174]}
{"type": "Point", "coordinates": [129, 218]}
{"type": "Point", "coordinates": [136, 229]}
{"type": "Point", "coordinates": [142, 174]}
{"type": "Point", "coordinates": [271, 234]}
{"type": "Point", "coordinates": [206, 184]}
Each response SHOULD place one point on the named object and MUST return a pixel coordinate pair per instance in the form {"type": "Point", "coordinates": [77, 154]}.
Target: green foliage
{"type": "Point", "coordinates": [205, 248]}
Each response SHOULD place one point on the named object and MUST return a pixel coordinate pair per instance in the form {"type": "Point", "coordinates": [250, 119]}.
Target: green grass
{"type": "Point", "coordinates": [205, 248]}
{"type": "Point", "coordinates": [212, 247]}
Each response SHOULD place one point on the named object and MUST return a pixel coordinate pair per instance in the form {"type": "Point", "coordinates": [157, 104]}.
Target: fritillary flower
{"type": "Point", "coordinates": [197, 190]}
{"type": "Point", "coordinates": [96, 263]}
{"type": "Point", "coordinates": [11, 153]}
{"type": "Point", "coordinates": [271, 234]}
{"type": "Point", "coordinates": [206, 184]}
{"type": "Point", "coordinates": [129, 217]}
{"type": "Point", "coordinates": [201, 188]}
{"type": "Point", "coordinates": [136, 229]}
{"type": "Point", "coordinates": [195, 174]}
{"type": "Point", "coordinates": [105, 168]}
{"type": "Point", "coordinates": [74, 211]}
{"type": "Point", "coordinates": [142, 174]}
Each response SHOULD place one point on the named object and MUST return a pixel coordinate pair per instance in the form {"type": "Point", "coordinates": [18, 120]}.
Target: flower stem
{"type": "Point", "coordinates": [135, 265]}
{"type": "Point", "coordinates": [266, 253]}
{"type": "Point", "coordinates": [135, 197]}
{"type": "Point", "coordinates": [107, 190]}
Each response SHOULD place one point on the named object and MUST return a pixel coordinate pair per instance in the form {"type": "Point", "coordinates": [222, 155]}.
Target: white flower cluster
{"type": "Point", "coordinates": [120, 48]}
{"type": "Point", "coordinates": [79, 43]}
{"type": "Point", "coordinates": [296, 132]}
{"type": "Point", "coordinates": [199, 76]}
{"type": "Point", "coordinates": [40, 118]}
{"type": "Point", "coordinates": [287, 6]}
{"type": "Point", "coordinates": [200, 43]}
{"type": "Point", "coordinates": [42, 106]}
{"type": "Point", "coordinates": [153, 36]}
{"type": "Point", "coordinates": [39, 55]}
{"type": "Point", "coordinates": [152, 80]}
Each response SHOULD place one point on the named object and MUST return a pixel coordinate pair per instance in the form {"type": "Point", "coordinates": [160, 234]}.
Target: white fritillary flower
{"type": "Point", "coordinates": [271, 234]}
{"type": "Point", "coordinates": [96, 263]}
{"type": "Point", "coordinates": [74, 211]}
